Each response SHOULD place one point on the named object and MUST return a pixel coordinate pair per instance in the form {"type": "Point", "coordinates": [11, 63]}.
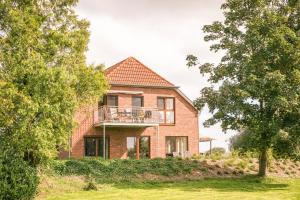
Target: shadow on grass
{"type": "Point", "coordinates": [246, 184]}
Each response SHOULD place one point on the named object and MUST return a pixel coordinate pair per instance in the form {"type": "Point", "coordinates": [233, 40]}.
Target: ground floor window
{"type": "Point", "coordinates": [138, 147]}
{"type": "Point", "coordinates": [144, 147]}
{"type": "Point", "coordinates": [131, 147]}
{"type": "Point", "coordinates": [176, 145]}
{"type": "Point", "coordinates": [93, 146]}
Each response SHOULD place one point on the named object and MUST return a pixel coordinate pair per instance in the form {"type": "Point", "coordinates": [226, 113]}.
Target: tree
{"type": "Point", "coordinates": [256, 85]}
{"type": "Point", "coordinates": [283, 146]}
{"type": "Point", "coordinates": [44, 78]}
{"type": "Point", "coordinates": [244, 141]}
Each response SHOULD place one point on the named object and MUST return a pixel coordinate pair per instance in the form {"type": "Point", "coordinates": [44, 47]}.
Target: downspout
{"type": "Point", "coordinates": [69, 146]}
{"type": "Point", "coordinates": [103, 141]}
{"type": "Point", "coordinates": [157, 130]}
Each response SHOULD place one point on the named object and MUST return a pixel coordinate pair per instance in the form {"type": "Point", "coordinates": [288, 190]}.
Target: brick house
{"type": "Point", "coordinates": [142, 116]}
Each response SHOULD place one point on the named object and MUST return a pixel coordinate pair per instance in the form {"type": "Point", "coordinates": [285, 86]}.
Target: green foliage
{"type": "Point", "coordinates": [256, 85]}
{"type": "Point", "coordinates": [18, 180]}
{"type": "Point", "coordinates": [124, 170]}
{"type": "Point", "coordinates": [244, 141]}
{"type": "Point", "coordinates": [217, 150]}
{"type": "Point", "coordinates": [215, 156]}
{"type": "Point", "coordinates": [285, 147]}
{"type": "Point", "coordinates": [90, 184]}
{"type": "Point", "coordinates": [44, 78]}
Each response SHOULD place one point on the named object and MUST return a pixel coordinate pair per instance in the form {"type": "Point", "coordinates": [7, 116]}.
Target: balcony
{"type": "Point", "coordinates": [126, 116]}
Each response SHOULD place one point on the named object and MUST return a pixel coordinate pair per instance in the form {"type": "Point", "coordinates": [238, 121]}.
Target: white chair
{"type": "Point", "coordinates": [176, 154]}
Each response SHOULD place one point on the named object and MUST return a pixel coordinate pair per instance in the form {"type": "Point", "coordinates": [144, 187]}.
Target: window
{"type": "Point", "coordinates": [131, 147]}
{"type": "Point", "coordinates": [144, 147]}
{"type": "Point", "coordinates": [112, 100]}
{"type": "Point", "coordinates": [176, 144]}
{"type": "Point", "coordinates": [137, 101]}
{"type": "Point", "coordinates": [94, 146]}
{"type": "Point", "coordinates": [166, 109]}
{"type": "Point", "coordinates": [90, 146]}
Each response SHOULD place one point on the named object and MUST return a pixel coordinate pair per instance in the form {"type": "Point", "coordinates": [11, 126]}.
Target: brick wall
{"type": "Point", "coordinates": [186, 124]}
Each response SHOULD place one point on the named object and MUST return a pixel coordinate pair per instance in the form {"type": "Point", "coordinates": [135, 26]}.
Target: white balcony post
{"type": "Point", "coordinates": [157, 133]}
{"type": "Point", "coordinates": [104, 141]}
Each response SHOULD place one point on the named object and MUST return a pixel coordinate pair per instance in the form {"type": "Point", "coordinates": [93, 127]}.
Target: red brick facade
{"type": "Point", "coordinates": [186, 124]}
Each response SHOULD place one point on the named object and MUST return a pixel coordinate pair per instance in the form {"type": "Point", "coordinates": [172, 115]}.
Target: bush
{"type": "Point", "coordinates": [217, 150]}
{"type": "Point", "coordinates": [118, 169]}
{"type": "Point", "coordinates": [90, 184]}
{"type": "Point", "coordinates": [18, 180]}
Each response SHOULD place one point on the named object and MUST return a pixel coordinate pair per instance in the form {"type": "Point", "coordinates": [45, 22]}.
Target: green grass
{"type": "Point", "coordinates": [238, 188]}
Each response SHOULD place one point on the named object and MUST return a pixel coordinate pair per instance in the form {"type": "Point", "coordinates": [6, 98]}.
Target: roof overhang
{"type": "Point", "coordinates": [206, 139]}
{"type": "Point", "coordinates": [143, 86]}
{"type": "Point", "coordinates": [186, 98]}
{"type": "Point", "coordinates": [124, 92]}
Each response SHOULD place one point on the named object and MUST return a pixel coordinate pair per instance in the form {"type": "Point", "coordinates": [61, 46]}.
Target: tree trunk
{"type": "Point", "coordinates": [263, 159]}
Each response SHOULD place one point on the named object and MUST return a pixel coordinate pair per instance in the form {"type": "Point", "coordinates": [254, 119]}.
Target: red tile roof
{"type": "Point", "coordinates": [132, 72]}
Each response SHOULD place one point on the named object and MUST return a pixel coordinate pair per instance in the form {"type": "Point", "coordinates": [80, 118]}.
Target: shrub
{"type": "Point", "coordinates": [90, 185]}
{"type": "Point", "coordinates": [252, 167]}
{"type": "Point", "coordinates": [230, 162]}
{"type": "Point", "coordinates": [118, 169]}
{"type": "Point", "coordinates": [217, 150]}
{"type": "Point", "coordinates": [18, 180]}
{"type": "Point", "coordinates": [242, 165]}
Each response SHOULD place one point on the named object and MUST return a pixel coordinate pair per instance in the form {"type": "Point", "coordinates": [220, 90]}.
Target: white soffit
{"type": "Point", "coordinates": [124, 92]}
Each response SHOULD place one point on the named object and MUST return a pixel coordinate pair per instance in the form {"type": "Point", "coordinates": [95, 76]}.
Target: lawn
{"type": "Point", "coordinates": [226, 188]}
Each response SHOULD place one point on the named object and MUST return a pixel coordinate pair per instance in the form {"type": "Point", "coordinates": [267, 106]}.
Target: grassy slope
{"type": "Point", "coordinates": [238, 188]}
{"type": "Point", "coordinates": [169, 179]}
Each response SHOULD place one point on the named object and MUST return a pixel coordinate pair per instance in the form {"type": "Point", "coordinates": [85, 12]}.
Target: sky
{"type": "Point", "coordinates": [159, 33]}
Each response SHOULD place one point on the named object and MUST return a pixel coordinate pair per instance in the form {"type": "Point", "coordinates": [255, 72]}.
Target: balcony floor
{"type": "Point", "coordinates": [124, 124]}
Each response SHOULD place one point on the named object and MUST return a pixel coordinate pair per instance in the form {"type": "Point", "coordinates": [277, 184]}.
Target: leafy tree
{"type": "Point", "coordinates": [256, 85]}
{"type": "Point", "coordinates": [44, 78]}
{"type": "Point", "coordinates": [244, 141]}
{"type": "Point", "coordinates": [283, 146]}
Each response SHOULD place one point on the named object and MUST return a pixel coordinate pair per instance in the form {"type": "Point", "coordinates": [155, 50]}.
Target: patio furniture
{"type": "Point", "coordinates": [176, 154]}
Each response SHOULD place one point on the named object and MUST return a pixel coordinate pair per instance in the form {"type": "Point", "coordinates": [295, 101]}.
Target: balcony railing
{"type": "Point", "coordinates": [126, 115]}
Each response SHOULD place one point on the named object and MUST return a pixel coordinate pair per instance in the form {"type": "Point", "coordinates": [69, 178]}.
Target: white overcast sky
{"type": "Point", "coordinates": [159, 33]}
